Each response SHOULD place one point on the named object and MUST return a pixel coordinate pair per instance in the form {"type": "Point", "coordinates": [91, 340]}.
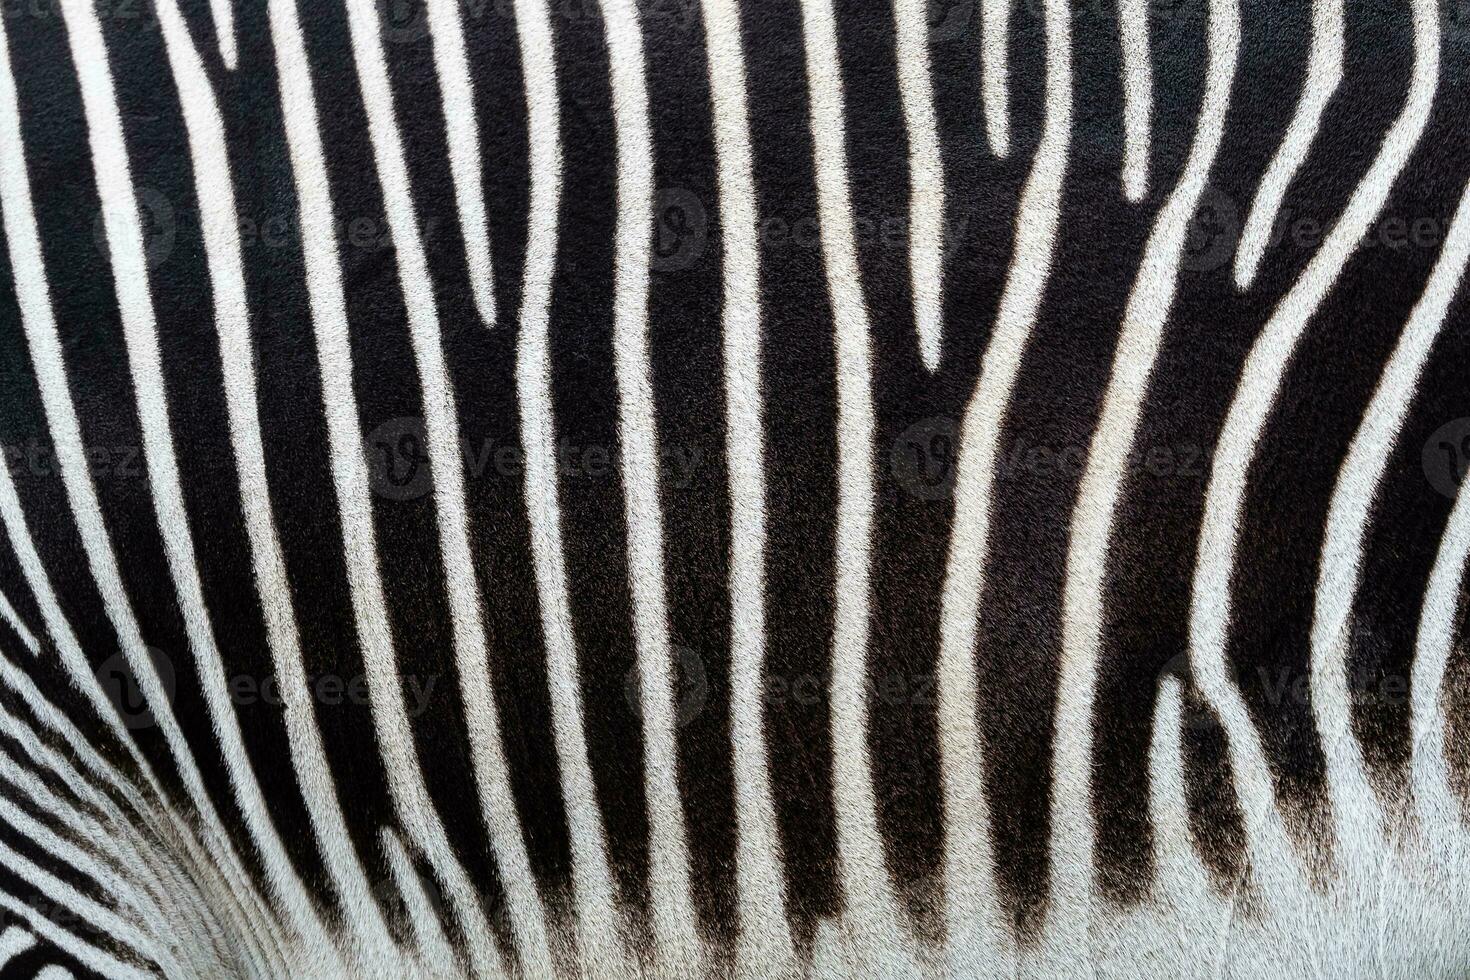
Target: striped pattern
{"type": "Point", "coordinates": [733, 489]}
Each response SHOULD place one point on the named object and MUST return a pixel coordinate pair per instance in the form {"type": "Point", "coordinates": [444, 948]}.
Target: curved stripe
{"type": "Point", "coordinates": [1084, 604]}
{"type": "Point", "coordinates": [926, 177]}
{"type": "Point", "coordinates": [1183, 874]}
{"type": "Point", "coordinates": [463, 135]}
{"type": "Point", "coordinates": [598, 926]}
{"type": "Point", "coordinates": [13, 942]}
{"type": "Point", "coordinates": [1347, 519]}
{"type": "Point", "coordinates": [765, 935]}
{"type": "Point", "coordinates": [1324, 74]}
{"type": "Point", "coordinates": [995, 18]}
{"type": "Point", "coordinates": [64, 896]}
{"type": "Point", "coordinates": [973, 914]}
{"type": "Point", "coordinates": [215, 190]}
{"type": "Point", "coordinates": [1435, 802]}
{"type": "Point", "coordinates": [1138, 96]}
{"type": "Point", "coordinates": [1261, 377]}
{"type": "Point", "coordinates": [677, 945]}
{"type": "Point", "coordinates": [84, 953]}
{"type": "Point", "coordinates": [17, 625]}
{"type": "Point", "coordinates": [864, 874]}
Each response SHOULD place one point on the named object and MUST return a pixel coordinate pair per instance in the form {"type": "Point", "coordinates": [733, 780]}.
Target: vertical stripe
{"type": "Point", "coordinates": [1138, 96]}
{"type": "Point", "coordinates": [673, 912]}
{"type": "Point", "coordinates": [1254, 397]}
{"type": "Point", "coordinates": [596, 909]}
{"type": "Point", "coordinates": [1324, 74]}
{"type": "Point", "coordinates": [995, 17]}
{"type": "Point", "coordinates": [867, 888]}
{"type": "Point", "coordinates": [1083, 599]}
{"type": "Point", "coordinates": [926, 177]}
{"type": "Point", "coordinates": [463, 134]}
{"type": "Point", "coordinates": [972, 911]}
{"type": "Point", "coordinates": [445, 463]}
{"type": "Point", "coordinates": [765, 936]}
{"type": "Point", "coordinates": [1434, 800]}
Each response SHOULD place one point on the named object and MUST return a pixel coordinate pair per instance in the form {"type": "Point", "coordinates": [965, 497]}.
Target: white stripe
{"type": "Point", "coordinates": [1181, 872]}
{"type": "Point", "coordinates": [406, 785]}
{"type": "Point", "coordinates": [972, 909]}
{"type": "Point", "coordinates": [112, 170]}
{"type": "Point", "coordinates": [765, 936]}
{"type": "Point", "coordinates": [926, 176]}
{"type": "Point", "coordinates": [463, 135]}
{"type": "Point", "coordinates": [598, 928]}
{"type": "Point", "coordinates": [1083, 598]}
{"type": "Point", "coordinates": [1435, 802]}
{"type": "Point", "coordinates": [866, 885]}
{"type": "Point", "coordinates": [223, 14]}
{"type": "Point", "coordinates": [13, 620]}
{"type": "Point", "coordinates": [434, 952]}
{"type": "Point", "coordinates": [1324, 74]}
{"type": "Point", "coordinates": [1225, 497]}
{"type": "Point", "coordinates": [211, 164]}
{"type": "Point", "coordinates": [995, 17]}
{"type": "Point", "coordinates": [39, 325]}
{"type": "Point", "coordinates": [54, 972]}
{"type": "Point", "coordinates": [1138, 96]}
{"type": "Point", "coordinates": [677, 946]}
{"type": "Point", "coordinates": [84, 953]}
{"type": "Point", "coordinates": [1352, 502]}
{"type": "Point", "coordinates": [13, 942]}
